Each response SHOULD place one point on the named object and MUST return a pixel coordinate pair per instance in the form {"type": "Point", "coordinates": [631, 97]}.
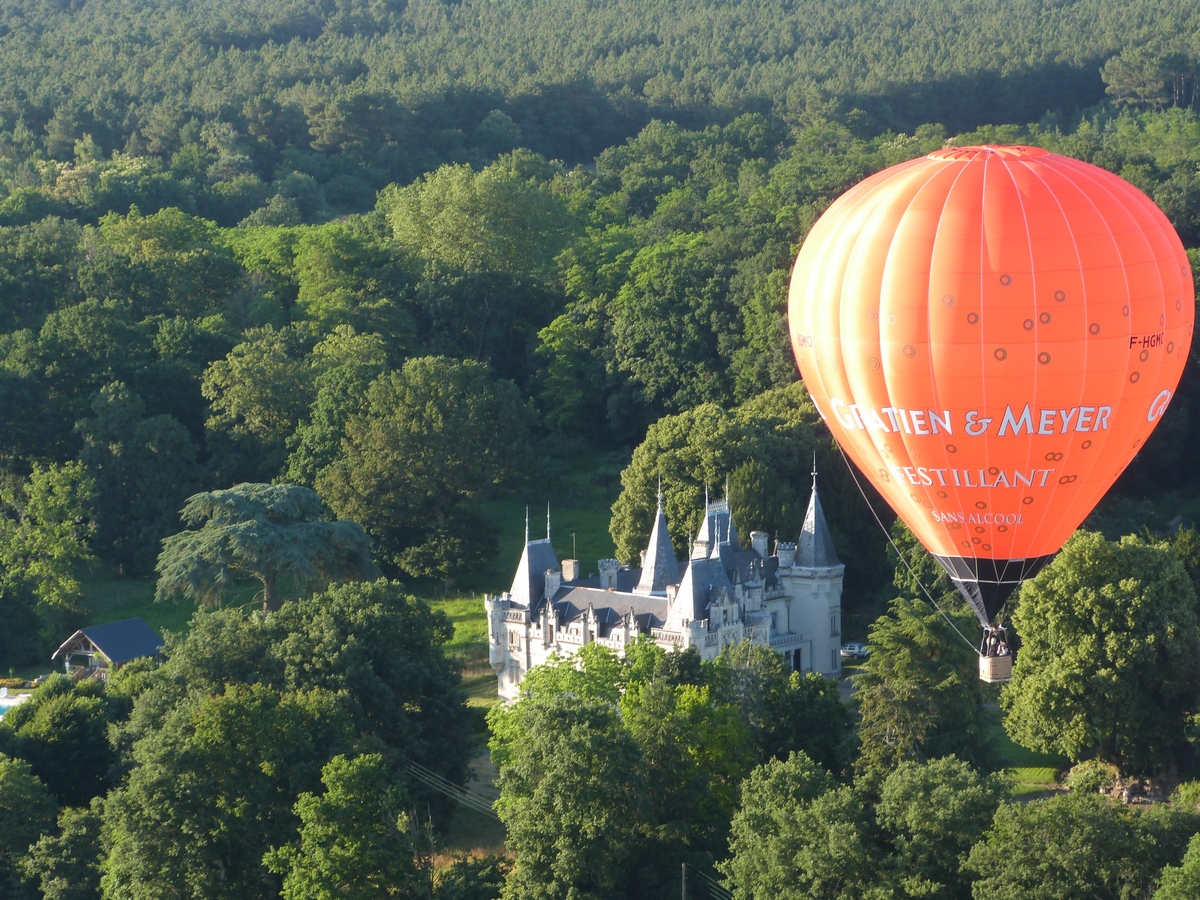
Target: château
{"type": "Point", "coordinates": [723, 593]}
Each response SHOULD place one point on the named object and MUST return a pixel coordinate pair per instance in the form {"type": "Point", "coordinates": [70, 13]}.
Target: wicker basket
{"type": "Point", "coordinates": [994, 669]}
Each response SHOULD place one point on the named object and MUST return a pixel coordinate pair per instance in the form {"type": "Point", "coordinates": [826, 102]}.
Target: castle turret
{"type": "Point", "coordinates": [495, 607]}
{"type": "Point", "coordinates": [816, 546]}
{"type": "Point", "coordinates": [608, 573]}
{"type": "Point", "coordinates": [659, 567]}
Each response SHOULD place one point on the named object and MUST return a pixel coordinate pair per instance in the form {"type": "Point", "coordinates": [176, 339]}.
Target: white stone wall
{"type": "Point", "coordinates": [817, 614]}
{"type": "Point", "coordinates": [801, 620]}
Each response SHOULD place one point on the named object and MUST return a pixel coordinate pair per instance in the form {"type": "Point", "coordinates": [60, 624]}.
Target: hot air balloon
{"type": "Point", "coordinates": [991, 333]}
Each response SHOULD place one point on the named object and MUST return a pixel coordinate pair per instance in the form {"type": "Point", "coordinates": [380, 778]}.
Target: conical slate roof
{"type": "Point", "coordinates": [815, 550]}
{"type": "Point", "coordinates": [529, 584]}
{"type": "Point", "coordinates": [659, 567]}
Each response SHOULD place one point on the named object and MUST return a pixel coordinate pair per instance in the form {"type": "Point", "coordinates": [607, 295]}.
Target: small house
{"type": "Point", "coordinates": [94, 651]}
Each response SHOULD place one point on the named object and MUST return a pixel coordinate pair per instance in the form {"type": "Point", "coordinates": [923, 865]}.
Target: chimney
{"type": "Point", "coordinates": [608, 573]}
{"type": "Point", "coordinates": [553, 580]}
{"type": "Point", "coordinates": [570, 570]}
{"type": "Point", "coordinates": [758, 540]}
{"type": "Point", "coordinates": [786, 551]}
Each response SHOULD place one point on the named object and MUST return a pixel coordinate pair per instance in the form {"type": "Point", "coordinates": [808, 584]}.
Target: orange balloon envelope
{"type": "Point", "coordinates": [991, 333]}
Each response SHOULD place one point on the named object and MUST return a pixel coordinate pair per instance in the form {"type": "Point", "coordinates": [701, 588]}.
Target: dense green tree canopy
{"type": "Point", "coordinates": [799, 834]}
{"type": "Point", "coordinates": [437, 436]}
{"type": "Point", "coordinates": [44, 528]}
{"type": "Point", "coordinates": [919, 693]}
{"type": "Point", "coordinates": [230, 733]}
{"type": "Point", "coordinates": [144, 469]}
{"type": "Point", "coordinates": [26, 812]}
{"type": "Point", "coordinates": [1182, 881]}
{"type": "Point", "coordinates": [696, 731]}
{"type": "Point", "coordinates": [934, 813]}
{"type": "Point", "coordinates": [66, 865]}
{"type": "Point", "coordinates": [503, 219]}
{"type": "Point", "coordinates": [1108, 643]}
{"type": "Point", "coordinates": [573, 800]}
{"type": "Point", "coordinates": [371, 642]}
{"type": "Point", "coordinates": [353, 837]}
{"type": "Point", "coordinates": [1076, 847]}
{"type": "Point", "coordinates": [62, 731]}
{"type": "Point", "coordinates": [213, 789]}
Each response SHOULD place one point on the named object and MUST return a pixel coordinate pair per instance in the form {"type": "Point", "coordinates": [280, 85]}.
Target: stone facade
{"type": "Point", "coordinates": [722, 594]}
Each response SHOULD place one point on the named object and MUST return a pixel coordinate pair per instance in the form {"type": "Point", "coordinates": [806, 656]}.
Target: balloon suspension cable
{"type": "Point", "coordinates": [887, 534]}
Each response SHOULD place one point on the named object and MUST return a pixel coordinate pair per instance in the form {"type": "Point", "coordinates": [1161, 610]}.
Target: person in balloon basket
{"type": "Point", "coordinates": [994, 643]}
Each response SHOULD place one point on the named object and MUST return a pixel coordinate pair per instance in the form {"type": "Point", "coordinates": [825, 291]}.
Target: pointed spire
{"type": "Point", "coordinates": [815, 550]}
{"type": "Point", "coordinates": [659, 566]}
{"type": "Point", "coordinates": [529, 582]}
{"type": "Point", "coordinates": [705, 538]}
{"type": "Point", "coordinates": [547, 521]}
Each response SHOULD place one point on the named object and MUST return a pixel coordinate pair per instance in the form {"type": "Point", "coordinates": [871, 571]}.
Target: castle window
{"type": "Point", "coordinates": [834, 656]}
{"type": "Point", "coordinates": [835, 624]}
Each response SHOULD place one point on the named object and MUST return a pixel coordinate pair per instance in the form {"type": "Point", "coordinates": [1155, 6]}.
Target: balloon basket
{"type": "Point", "coordinates": [995, 669]}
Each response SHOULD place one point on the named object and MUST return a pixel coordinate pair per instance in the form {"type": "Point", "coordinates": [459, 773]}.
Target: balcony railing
{"type": "Point", "coordinates": [667, 637]}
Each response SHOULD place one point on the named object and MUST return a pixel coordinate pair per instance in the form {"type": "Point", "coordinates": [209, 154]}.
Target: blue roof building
{"type": "Point", "coordinates": [99, 648]}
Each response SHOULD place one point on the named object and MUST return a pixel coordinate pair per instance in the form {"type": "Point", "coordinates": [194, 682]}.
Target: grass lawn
{"type": "Point", "coordinates": [1028, 770]}
{"type": "Point", "coordinates": [579, 514]}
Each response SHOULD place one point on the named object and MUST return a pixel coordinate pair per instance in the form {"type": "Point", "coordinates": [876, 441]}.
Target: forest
{"type": "Point", "coordinates": [359, 271]}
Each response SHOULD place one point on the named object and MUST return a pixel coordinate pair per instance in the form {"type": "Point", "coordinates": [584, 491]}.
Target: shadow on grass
{"type": "Point", "coordinates": [1028, 771]}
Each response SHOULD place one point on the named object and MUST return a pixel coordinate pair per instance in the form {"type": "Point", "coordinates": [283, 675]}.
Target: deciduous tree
{"type": "Point", "coordinates": [438, 435]}
{"type": "Point", "coordinates": [1109, 639]}
{"type": "Point", "coordinates": [798, 834]}
{"type": "Point", "coordinates": [62, 730]}
{"type": "Point", "coordinates": [259, 392]}
{"type": "Point", "coordinates": [353, 841]}
{"type": "Point", "coordinates": [574, 802]}
{"type": "Point", "coordinates": [498, 220]}
{"type": "Point", "coordinates": [144, 468]}
{"type": "Point", "coordinates": [1181, 882]}
{"type": "Point", "coordinates": [1077, 847]}
{"type": "Point", "coordinates": [26, 813]}
{"type": "Point", "coordinates": [213, 789]}
{"type": "Point", "coordinates": [66, 865]}
{"type": "Point", "coordinates": [934, 813]}
{"type": "Point", "coordinates": [44, 531]}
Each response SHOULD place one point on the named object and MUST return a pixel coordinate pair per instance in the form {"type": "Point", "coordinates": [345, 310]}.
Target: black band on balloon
{"type": "Point", "coordinates": [987, 583]}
